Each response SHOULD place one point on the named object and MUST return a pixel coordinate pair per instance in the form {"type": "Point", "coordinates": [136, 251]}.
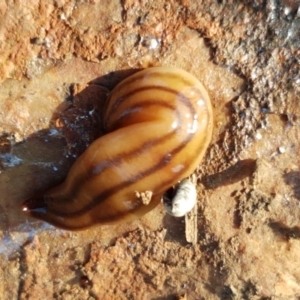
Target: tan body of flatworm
{"type": "Point", "coordinates": [158, 125]}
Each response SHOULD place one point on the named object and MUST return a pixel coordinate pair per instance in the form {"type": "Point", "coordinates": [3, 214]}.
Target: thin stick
{"type": "Point", "coordinates": [191, 224]}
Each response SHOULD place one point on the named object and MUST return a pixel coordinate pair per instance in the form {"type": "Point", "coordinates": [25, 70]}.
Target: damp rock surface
{"type": "Point", "coordinates": [58, 62]}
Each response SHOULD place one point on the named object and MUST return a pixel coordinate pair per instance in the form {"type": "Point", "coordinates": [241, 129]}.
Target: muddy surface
{"type": "Point", "coordinates": [58, 62]}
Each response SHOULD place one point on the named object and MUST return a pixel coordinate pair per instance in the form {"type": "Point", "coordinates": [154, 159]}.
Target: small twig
{"type": "Point", "coordinates": [191, 226]}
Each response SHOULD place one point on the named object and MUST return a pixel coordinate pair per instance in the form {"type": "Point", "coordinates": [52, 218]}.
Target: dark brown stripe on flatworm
{"type": "Point", "coordinates": [147, 103]}
{"type": "Point", "coordinates": [109, 192]}
{"type": "Point", "coordinates": [151, 87]}
{"type": "Point", "coordinates": [170, 74]}
{"type": "Point", "coordinates": [169, 182]}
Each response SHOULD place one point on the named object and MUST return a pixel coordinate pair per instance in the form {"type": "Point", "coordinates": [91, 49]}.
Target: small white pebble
{"type": "Point", "coordinates": [53, 131]}
{"type": "Point", "coordinates": [281, 149]}
{"type": "Point", "coordinates": [258, 136]}
{"type": "Point", "coordinates": [150, 43]}
{"type": "Point", "coordinates": [153, 44]}
{"type": "Point", "coordinates": [63, 16]}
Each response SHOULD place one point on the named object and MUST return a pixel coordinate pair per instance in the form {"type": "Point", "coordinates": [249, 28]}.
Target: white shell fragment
{"type": "Point", "coordinates": [183, 199]}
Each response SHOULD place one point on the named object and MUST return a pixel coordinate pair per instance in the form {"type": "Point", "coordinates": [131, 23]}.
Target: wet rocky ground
{"type": "Point", "coordinates": [58, 61]}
